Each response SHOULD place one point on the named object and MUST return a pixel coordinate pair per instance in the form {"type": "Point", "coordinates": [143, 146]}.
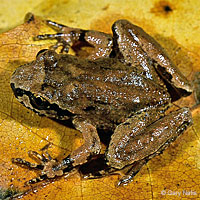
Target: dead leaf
{"type": "Point", "coordinates": [175, 172]}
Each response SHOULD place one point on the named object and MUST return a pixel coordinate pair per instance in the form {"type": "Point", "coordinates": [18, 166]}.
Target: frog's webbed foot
{"type": "Point", "coordinates": [98, 44]}
{"type": "Point", "coordinates": [65, 36]}
{"type": "Point", "coordinates": [61, 41]}
{"type": "Point", "coordinates": [50, 167]}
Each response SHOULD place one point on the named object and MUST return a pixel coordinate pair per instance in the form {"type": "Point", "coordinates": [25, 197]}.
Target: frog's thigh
{"type": "Point", "coordinates": [125, 132]}
{"type": "Point", "coordinates": [138, 142]}
{"type": "Point", "coordinates": [91, 145]}
{"type": "Point", "coordinates": [101, 42]}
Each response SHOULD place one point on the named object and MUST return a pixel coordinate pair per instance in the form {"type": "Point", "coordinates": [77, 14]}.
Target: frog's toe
{"type": "Point", "coordinates": [61, 41]}
{"type": "Point", "coordinates": [65, 46]}
{"type": "Point", "coordinates": [49, 36]}
{"type": "Point", "coordinates": [50, 168]}
{"type": "Point", "coordinates": [55, 25]}
{"type": "Point", "coordinates": [46, 166]}
{"type": "Point", "coordinates": [30, 165]}
{"type": "Point", "coordinates": [41, 158]}
{"type": "Point", "coordinates": [36, 180]}
{"type": "Point", "coordinates": [126, 179]}
{"type": "Point", "coordinates": [44, 157]}
{"type": "Point", "coordinates": [132, 171]}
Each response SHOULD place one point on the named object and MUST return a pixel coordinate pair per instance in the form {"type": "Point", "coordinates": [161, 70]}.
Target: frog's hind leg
{"type": "Point", "coordinates": [98, 44]}
{"type": "Point", "coordinates": [141, 48]}
{"type": "Point", "coordinates": [98, 168]}
{"type": "Point", "coordinates": [66, 36]}
{"type": "Point", "coordinates": [139, 138]}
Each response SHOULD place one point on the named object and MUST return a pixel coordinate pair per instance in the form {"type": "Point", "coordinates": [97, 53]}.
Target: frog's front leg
{"type": "Point", "coordinates": [138, 140]}
{"type": "Point", "coordinates": [92, 144]}
{"type": "Point", "coordinates": [100, 43]}
{"type": "Point", "coordinates": [81, 155]}
{"type": "Point", "coordinates": [51, 168]}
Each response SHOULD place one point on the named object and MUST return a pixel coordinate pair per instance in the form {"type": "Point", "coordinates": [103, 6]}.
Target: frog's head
{"type": "Point", "coordinates": [27, 83]}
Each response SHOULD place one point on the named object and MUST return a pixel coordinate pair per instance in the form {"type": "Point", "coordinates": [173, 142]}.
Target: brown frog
{"type": "Point", "coordinates": [123, 84]}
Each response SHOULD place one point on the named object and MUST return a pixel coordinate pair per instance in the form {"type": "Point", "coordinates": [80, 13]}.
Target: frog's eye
{"type": "Point", "coordinates": [38, 102]}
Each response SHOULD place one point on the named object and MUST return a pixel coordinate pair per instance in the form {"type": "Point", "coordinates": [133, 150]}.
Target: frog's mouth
{"type": "Point", "coordinates": [39, 104]}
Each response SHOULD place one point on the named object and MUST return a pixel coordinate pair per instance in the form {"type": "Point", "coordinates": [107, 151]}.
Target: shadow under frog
{"type": "Point", "coordinates": [122, 86]}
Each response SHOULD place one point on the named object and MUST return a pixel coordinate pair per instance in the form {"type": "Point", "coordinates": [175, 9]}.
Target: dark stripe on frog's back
{"type": "Point", "coordinates": [104, 89]}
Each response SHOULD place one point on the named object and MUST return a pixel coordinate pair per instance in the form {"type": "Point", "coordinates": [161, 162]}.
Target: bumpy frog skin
{"type": "Point", "coordinates": [122, 85]}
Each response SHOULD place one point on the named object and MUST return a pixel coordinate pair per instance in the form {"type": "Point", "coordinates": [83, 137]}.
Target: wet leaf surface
{"type": "Point", "coordinates": [171, 175]}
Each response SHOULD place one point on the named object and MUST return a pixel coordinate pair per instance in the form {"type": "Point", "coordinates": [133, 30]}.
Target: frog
{"type": "Point", "coordinates": [121, 84]}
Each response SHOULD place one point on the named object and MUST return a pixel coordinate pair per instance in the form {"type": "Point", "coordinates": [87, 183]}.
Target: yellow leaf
{"type": "Point", "coordinates": [171, 175]}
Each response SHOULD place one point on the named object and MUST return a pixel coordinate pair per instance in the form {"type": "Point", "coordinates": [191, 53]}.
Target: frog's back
{"type": "Point", "coordinates": [107, 91]}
